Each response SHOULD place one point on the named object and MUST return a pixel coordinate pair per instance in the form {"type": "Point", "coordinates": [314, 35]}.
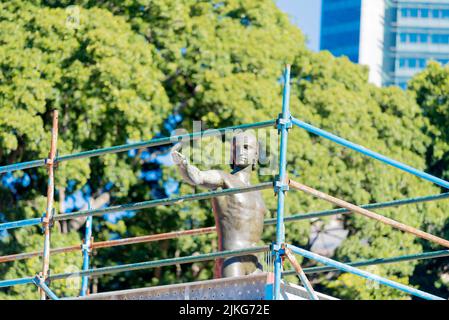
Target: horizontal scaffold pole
{"type": "Point", "coordinates": [378, 205]}
{"type": "Point", "coordinates": [162, 263]}
{"type": "Point", "coordinates": [20, 223]}
{"type": "Point", "coordinates": [136, 145]}
{"type": "Point", "coordinates": [176, 234]}
{"type": "Point", "coordinates": [372, 215]}
{"type": "Point", "coordinates": [369, 153]}
{"type": "Point", "coordinates": [143, 265]}
{"type": "Point", "coordinates": [112, 243]}
{"type": "Point", "coordinates": [377, 261]}
{"type": "Point", "coordinates": [362, 273]}
{"type": "Point", "coordinates": [410, 257]}
{"type": "Point", "coordinates": [138, 205]}
{"type": "Point", "coordinates": [163, 202]}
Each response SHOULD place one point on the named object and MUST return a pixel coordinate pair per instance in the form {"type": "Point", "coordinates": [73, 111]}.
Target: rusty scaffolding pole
{"type": "Point", "coordinates": [48, 218]}
{"type": "Point", "coordinates": [369, 214]}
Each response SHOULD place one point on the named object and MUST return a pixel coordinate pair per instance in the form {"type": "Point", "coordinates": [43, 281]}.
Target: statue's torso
{"type": "Point", "coordinates": [239, 217]}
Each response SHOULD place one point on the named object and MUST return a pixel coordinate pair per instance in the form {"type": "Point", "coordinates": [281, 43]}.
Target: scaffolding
{"type": "Point", "coordinates": [279, 250]}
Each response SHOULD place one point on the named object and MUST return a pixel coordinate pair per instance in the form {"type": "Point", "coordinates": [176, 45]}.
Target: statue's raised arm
{"type": "Point", "coordinates": [211, 179]}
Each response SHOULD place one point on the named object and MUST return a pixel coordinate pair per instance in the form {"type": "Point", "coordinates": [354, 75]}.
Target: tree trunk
{"type": "Point", "coordinates": [101, 200]}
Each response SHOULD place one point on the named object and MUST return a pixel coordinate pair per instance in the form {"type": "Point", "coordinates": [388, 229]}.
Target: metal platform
{"type": "Point", "coordinates": [238, 288]}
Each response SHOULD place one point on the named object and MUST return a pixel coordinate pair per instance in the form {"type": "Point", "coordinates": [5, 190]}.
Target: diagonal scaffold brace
{"type": "Point", "coordinates": [302, 276]}
{"type": "Point", "coordinates": [372, 215]}
{"type": "Point", "coordinates": [40, 283]}
{"type": "Point", "coordinates": [364, 274]}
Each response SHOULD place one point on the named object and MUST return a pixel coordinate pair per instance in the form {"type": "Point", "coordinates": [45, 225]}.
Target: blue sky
{"type": "Point", "coordinates": [305, 14]}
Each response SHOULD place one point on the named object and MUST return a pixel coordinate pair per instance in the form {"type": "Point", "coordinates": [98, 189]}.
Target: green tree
{"type": "Point", "coordinates": [102, 78]}
{"type": "Point", "coordinates": [222, 62]}
{"type": "Point", "coordinates": [430, 89]}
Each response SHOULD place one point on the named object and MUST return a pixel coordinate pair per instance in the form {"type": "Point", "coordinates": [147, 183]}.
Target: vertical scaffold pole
{"type": "Point", "coordinates": [281, 186]}
{"type": "Point", "coordinates": [86, 251]}
{"type": "Point", "coordinates": [47, 219]}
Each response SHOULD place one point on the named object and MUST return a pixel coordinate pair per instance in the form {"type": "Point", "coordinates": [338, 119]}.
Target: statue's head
{"type": "Point", "coordinates": [244, 150]}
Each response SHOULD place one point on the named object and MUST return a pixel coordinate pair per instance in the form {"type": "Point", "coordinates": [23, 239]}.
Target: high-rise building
{"type": "Point", "coordinates": [394, 38]}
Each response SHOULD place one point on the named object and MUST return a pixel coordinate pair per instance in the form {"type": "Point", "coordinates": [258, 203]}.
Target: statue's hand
{"type": "Point", "coordinates": [178, 158]}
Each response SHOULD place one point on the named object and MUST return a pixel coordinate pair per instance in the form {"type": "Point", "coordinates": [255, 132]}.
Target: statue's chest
{"type": "Point", "coordinates": [247, 204]}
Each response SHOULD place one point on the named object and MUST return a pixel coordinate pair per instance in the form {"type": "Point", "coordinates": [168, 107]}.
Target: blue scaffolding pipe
{"type": "Point", "coordinates": [22, 166]}
{"type": "Point", "coordinates": [142, 265]}
{"type": "Point", "coordinates": [16, 282]}
{"type": "Point", "coordinates": [136, 145]}
{"type": "Point", "coordinates": [41, 284]}
{"type": "Point", "coordinates": [377, 261]}
{"type": "Point", "coordinates": [209, 256]}
{"type": "Point", "coordinates": [163, 202]}
{"type": "Point", "coordinates": [302, 216]}
{"type": "Point", "coordinates": [370, 153]}
{"type": "Point", "coordinates": [364, 274]}
{"type": "Point", "coordinates": [378, 205]}
{"type": "Point", "coordinates": [294, 217]}
{"type": "Point", "coordinates": [86, 251]}
{"type": "Point", "coordinates": [20, 223]}
{"type": "Point", "coordinates": [281, 185]}
{"type": "Point", "coordinates": [139, 205]}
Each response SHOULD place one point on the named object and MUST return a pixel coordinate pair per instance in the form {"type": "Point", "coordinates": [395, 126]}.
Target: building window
{"type": "Point", "coordinates": [424, 13]}
{"type": "Point", "coordinates": [412, 63]}
{"type": "Point", "coordinates": [435, 38]}
{"type": "Point", "coordinates": [435, 13]}
{"type": "Point", "coordinates": [440, 38]}
{"type": "Point", "coordinates": [403, 37]}
{"type": "Point", "coordinates": [422, 63]}
{"type": "Point", "coordinates": [404, 12]}
{"type": "Point", "coordinates": [421, 38]}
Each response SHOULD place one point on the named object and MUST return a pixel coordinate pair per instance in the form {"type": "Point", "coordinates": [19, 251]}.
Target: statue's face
{"type": "Point", "coordinates": [245, 150]}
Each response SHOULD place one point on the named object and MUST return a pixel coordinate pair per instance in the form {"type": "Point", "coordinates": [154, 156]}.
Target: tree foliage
{"type": "Point", "coordinates": [430, 89]}
{"type": "Point", "coordinates": [102, 78]}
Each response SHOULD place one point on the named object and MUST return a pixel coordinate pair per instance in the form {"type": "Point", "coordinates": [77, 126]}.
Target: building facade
{"type": "Point", "coordinates": [394, 38]}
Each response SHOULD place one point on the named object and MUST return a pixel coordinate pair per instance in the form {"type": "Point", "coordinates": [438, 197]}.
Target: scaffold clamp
{"type": "Point", "coordinates": [282, 122]}
{"type": "Point", "coordinates": [279, 186]}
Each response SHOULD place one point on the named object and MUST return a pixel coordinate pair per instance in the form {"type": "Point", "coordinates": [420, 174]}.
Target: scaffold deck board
{"type": "Point", "coordinates": [250, 287]}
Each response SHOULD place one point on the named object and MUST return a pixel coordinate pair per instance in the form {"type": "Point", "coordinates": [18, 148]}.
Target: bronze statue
{"type": "Point", "coordinates": [239, 217]}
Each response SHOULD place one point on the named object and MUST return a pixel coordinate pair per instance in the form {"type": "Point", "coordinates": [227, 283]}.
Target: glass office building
{"type": "Point", "coordinates": [395, 39]}
{"type": "Point", "coordinates": [421, 34]}
{"type": "Point", "coordinates": [340, 27]}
